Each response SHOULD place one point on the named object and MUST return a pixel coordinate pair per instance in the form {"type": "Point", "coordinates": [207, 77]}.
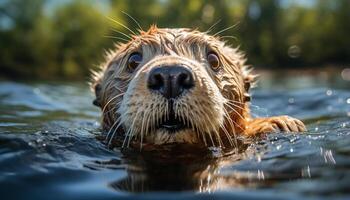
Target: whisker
{"type": "Point", "coordinates": [137, 23]}
{"type": "Point", "coordinates": [234, 101]}
{"type": "Point", "coordinates": [143, 128]}
{"type": "Point", "coordinates": [108, 138]}
{"type": "Point", "coordinates": [114, 132]}
{"type": "Point", "coordinates": [111, 110]}
{"type": "Point", "coordinates": [132, 127]}
{"type": "Point", "coordinates": [110, 129]}
{"type": "Point", "coordinates": [131, 135]}
{"type": "Point", "coordinates": [115, 37]}
{"type": "Point", "coordinates": [253, 106]}
{"type": "Point", "coordinates": [121, 24]}
{"type": "Point", "coordinates": [217, 135]}
{"type": "Point", "coordinates": [236, 112]}
{"type": "Point", "coordinates": [119, 89]}
{"type": "Point", "coordinates": [223, 30]}
{"type": "Point", "coordinates": [231, 122]}
{"type": "Point", "coordinates": [227, 134]}
{"type": "Point", "coordinates": [211, 138]}
{"type": "Point", "coordinates": [124, 34]}
{"type": "Point", "coordinates": [195, 128]}
{"type": "Point", "coordinates": [147, 124]}
{"type": "Point", "coordinates": [232, 104]}
{"type": "Point", "coordinates": [212, 26]}
{"type": "Point", "coordinates": [242, 103]}
{"type": "Point", "coordinates": [116, 96]}
{"type": "Point", "coordinates": [125, 137]}
{"type": "Point", "coordinates": [229, 36]}
{"type": "Point", "coordinates": [209, 132]}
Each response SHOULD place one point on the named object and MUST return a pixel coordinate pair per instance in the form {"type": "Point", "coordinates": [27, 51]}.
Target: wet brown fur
{"type": "Point", "coordinates": [218, 107]}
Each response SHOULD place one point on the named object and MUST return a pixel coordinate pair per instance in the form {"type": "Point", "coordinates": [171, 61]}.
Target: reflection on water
{"type": "Point", "coordinates": [177, 168]}
{"type": "Point", "coordinates": [49, 149]}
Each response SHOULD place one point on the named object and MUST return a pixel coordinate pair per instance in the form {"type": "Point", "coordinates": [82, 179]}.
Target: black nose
{"type": "Point", "coordinates": [170, 81]}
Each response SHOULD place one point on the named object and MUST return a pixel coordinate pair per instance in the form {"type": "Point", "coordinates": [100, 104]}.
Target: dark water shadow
{"type": "Point", "coordinates": [175, 168]}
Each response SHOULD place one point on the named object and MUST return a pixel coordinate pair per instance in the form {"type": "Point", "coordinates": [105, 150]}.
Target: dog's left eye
{"type": "Point", "coordinates": [134, 60]}
{"type": "Point", "coordinates": [213, 61]}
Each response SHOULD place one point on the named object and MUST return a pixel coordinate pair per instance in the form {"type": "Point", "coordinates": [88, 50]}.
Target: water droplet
{"type": "Point", "coordinates": [292, 140]}
{"type": "Point", "coordinates": [291, 150]}
{"type": "Point", "coordinates": [278, 147]}
{"type": "Point", "coordinates": [291, 100]}
{"type": "Point", "coordinates": [348, 101]}
{"type": "Point", "coordinates": [316, 128]}
{"type": "Point", "coordinates": [329, 92]}
{"type": "Point", "coordinates": [345, 74]}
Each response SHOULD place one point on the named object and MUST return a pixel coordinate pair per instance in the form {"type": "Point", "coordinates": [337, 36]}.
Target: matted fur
{"type": "Point", "coordinates": [216, 108]}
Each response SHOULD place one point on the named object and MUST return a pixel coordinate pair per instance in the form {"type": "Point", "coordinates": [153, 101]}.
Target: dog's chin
{"type": "Point", "coordinates": [163, 136]}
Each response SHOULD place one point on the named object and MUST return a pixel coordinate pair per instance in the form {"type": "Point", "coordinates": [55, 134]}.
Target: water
{"type": "Point", "coordinates": [49, 149]}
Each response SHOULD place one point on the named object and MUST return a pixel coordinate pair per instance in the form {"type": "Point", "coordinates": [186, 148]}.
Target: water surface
{"type": "Point", "coordinates": [49, 150]}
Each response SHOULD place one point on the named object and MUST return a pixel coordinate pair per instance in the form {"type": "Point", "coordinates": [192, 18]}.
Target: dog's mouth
{"type": "Point", "coordinates": [173, 123]}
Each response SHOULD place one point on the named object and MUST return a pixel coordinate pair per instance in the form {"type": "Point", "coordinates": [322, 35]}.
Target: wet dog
{"type": "Point", "coordinates": [179, 86]}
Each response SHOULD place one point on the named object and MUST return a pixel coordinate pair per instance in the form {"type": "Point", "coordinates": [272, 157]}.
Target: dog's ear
{"type": "Point", "coordinates": [97, 89]}
{"type": "Point", "coordinates": [250, 80]}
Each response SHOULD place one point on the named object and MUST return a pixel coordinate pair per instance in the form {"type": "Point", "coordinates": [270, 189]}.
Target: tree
{"type": "Point", "coordinates": [80, 37]}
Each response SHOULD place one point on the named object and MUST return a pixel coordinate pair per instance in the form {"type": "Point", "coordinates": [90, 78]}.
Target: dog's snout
{"type": "Point", "coordinates": [170, 81]}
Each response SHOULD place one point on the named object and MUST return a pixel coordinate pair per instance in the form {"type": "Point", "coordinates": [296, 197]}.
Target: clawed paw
{"type": "Point", "coordinates": [283, 124]}
{"type": "Point", "coordinates": [275, 124]}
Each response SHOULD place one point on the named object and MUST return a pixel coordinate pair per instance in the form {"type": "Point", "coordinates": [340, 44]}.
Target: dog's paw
{"type": "Point", "coordinates": [275, 124]}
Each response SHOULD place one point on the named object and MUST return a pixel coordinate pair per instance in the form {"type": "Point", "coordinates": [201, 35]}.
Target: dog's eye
{"type": "Point", "coordinates": [213, 61]}
{"type": "Point", "coordinates": [134, 60]}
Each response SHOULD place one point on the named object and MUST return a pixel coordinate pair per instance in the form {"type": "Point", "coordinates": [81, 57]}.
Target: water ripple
{"type": "Point", "coordinates": [49, 145]}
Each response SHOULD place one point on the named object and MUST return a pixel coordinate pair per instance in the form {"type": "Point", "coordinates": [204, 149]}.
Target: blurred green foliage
{"type": "Point", "coordinates": [47, 39]}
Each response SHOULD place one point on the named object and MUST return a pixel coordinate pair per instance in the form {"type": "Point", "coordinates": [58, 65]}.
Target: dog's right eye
{"type": "Point", "coordinates": [213, 61]}
{"type": "Point", "coordinates": [134, 60]}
